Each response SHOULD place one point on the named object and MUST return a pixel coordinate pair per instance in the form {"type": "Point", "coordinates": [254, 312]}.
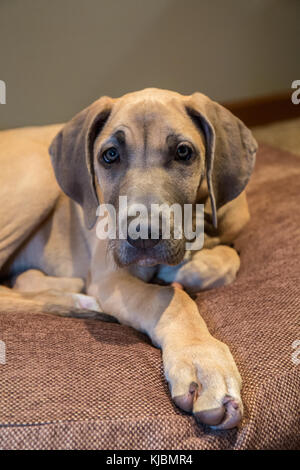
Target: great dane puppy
{"type": "Point", "coordinates": [153, 146]}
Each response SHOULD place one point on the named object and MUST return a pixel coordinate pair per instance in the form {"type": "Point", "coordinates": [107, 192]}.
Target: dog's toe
{"type": "Point", "coordinates": [210, 417]}
{"type": "Point", "coordinates": [186, 401]}
{"type": "Point", "coordinates": [227, 416]}
{"type": "Point", "coordinates": [232, 415]}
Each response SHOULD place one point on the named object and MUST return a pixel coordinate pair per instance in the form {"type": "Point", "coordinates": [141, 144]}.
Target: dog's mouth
{"type": "Point", "coordinates": [138, 257]}
{"type": "Point", "coordinates": [170, 253]}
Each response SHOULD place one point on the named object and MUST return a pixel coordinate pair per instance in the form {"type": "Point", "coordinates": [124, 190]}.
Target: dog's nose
{"type": "Point", "coordinates": [144, 243]}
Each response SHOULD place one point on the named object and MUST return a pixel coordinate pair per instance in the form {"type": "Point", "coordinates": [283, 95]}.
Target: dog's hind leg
{"type": "Point", "coordinates": [35, 280]}
{"type": "Point", "coordinates": [66, 291]}
{"type": "Point", "coordinates": [37, 293]}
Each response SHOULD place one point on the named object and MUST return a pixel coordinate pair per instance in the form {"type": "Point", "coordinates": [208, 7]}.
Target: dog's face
{"type": "Point", "coordinates": [155, 147]}
{"type": "Point", "coordinates": [150, 151]}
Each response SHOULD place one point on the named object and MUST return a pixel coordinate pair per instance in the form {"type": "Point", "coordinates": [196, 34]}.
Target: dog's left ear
{"type": "Point", "coordinates": [72, 156]}
{"type": "Point", "coordinates": [230, 150]}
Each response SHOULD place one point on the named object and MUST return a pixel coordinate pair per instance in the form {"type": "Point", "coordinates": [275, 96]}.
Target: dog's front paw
{"type": "Point", "coordinates": [206, 269]}
{"type": "Point", "coordinates": [205, 381]}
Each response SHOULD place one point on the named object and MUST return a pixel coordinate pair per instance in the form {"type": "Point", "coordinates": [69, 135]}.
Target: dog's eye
{"type": "Point", "coordinates": [184, 152]}
{"type": "Point", "coordinates": [110, 155]}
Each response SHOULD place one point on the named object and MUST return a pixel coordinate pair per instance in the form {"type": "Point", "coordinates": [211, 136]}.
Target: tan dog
{"type": "Point", "coordinates": [153, 146]}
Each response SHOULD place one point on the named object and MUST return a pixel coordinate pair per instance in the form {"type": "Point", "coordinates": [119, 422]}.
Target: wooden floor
{"type": "Point", "coordinates": [282, 134]}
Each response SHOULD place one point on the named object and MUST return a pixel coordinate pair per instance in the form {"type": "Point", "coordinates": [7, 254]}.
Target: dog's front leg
{"type": "Point", "coordinates": [201, 372]}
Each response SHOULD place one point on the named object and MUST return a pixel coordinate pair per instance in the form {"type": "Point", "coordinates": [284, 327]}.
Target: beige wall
{"type": "Point", "coordinates": [56, 56]}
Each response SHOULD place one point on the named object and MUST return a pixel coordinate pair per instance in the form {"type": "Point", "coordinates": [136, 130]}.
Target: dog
{"type": "Point", "coordinates": [153, 146]}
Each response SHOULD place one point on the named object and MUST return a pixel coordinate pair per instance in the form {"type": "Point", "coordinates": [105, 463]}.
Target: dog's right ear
{"type": "Point", "coordinates": [72, 156]}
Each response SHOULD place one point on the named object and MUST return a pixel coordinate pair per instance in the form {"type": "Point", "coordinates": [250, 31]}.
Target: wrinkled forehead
{"type": "Point", "coordinates": [151, 118]}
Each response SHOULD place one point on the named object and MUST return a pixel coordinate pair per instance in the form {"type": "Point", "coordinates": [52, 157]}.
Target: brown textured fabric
{"type": "Point", "coordinates": [82, 384]}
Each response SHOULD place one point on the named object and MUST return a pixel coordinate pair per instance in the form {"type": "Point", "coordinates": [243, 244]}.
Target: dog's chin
{"type": "Point", "coordinates": [147, 262]}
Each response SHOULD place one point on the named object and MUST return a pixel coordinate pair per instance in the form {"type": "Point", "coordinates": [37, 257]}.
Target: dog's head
{"type": "Point", "coordinates": [155, 147]}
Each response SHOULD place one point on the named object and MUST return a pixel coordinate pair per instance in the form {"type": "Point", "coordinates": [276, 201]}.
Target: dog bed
{"type": "Point", "coordinates": [77, 384]}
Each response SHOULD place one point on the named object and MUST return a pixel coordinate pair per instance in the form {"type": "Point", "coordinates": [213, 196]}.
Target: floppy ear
{"type": "Point", "coordinates": [230, 150]}
{"type": "Point", "coordinates": [72, 156]}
